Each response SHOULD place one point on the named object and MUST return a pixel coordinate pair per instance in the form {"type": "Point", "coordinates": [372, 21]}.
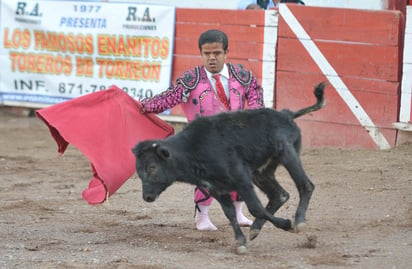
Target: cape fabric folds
{"type": "Point", "coordinates": [104, 126]}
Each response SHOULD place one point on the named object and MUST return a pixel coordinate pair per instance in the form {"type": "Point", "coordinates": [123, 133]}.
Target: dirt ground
{"type": "Point", "coordinates": [360, 215]}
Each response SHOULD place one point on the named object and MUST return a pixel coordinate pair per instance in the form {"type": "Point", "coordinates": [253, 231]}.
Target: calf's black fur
{"type": "Point", "coordinates": [231, 152]}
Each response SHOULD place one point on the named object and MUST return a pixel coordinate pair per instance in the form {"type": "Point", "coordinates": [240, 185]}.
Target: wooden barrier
{"type": "Point", "coordinates": [362, 52]}
{"type": "Point", "coordinates": [397, 5]}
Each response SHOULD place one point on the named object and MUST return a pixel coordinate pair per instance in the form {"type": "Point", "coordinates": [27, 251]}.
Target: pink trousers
{"type": "Point", "coordinates": [202, 196]}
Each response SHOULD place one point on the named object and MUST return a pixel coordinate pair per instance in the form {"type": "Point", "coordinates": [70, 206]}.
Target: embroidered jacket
{"type": "Point", "coordinates": [195, 93]}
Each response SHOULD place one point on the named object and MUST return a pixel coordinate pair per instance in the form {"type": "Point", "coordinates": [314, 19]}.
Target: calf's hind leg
{"type": "Point", "coordinates": [255, 206]}
{"type": "Point", "coordinates": [305, 187]}
{"type": "Point", "coordinates": [275, 193]}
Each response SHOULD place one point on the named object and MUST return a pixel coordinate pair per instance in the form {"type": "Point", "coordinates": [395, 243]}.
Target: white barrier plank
{"type": "Point", "coordinates": [406, 89]}
{"type": "Point", "coordinates": [269, 56]}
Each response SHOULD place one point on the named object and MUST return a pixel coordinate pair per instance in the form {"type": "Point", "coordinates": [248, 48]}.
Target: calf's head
{"type": "Point", "coordinates": [154, 165]}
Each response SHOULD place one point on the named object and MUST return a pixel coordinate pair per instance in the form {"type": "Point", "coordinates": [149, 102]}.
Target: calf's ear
{"type": "Point", "coordinates": [134, 150]}
{"type": "Point", "coordinates": [162, 152]}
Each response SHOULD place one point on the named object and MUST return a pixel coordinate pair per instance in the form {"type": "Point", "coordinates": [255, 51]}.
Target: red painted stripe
{"type": "Point", "coordinates": [346, 25]}
{"type": "Point", "coordinates": [219, 16]}
{"type": "Point", "coordinates": [329, 134]}
{"type": "Point", "coordinates": [370, 61]}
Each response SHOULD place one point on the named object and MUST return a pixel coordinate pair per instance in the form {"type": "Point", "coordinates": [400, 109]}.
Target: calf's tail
{"type": "Point", "coordinates": [320, 101]}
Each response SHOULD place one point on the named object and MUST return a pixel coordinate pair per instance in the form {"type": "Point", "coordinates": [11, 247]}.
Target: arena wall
{"type": "Point", "coordinates": [358, 52]}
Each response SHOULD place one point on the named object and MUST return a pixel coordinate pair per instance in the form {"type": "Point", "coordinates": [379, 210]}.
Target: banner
{"type": "Point", "coordinates": [53, 51]}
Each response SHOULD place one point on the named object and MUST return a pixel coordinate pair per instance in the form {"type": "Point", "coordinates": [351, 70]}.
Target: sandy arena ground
{"type": "Point", "coordinates": [360, 215]}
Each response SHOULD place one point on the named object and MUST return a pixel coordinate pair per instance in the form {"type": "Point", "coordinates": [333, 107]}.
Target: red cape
{"type": "Point", "coordinates": [104, 126]}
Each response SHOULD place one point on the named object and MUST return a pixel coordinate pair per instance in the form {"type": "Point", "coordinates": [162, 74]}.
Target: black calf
{"type": "Point", "coordinates": [231, 152]}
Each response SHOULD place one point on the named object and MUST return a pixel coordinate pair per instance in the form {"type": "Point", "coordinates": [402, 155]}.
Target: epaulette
{"type": "Point", "coordinates": [190, 78]}
{"type": "Point", "coordinates": [242, 75]}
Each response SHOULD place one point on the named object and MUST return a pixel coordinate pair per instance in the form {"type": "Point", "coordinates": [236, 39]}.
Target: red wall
{"type": "Point", "coordinates": [364, 47]}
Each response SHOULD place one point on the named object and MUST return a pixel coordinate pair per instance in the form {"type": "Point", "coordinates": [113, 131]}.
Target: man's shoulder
{"type": "Point", "coordinates": [241, 73]}
{"type": "Point", "coordinates": [190, 78]}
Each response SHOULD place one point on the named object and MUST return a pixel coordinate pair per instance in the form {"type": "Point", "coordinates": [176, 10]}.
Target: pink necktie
{"type": "Point", "coordinates": [221, 91]}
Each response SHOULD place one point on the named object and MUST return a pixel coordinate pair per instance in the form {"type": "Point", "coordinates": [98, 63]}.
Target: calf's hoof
{"type": "Point", "coordinates": [287, 225]}
{"type": "Point", "coordinates": [300, 227]}
{"type": "Point", "coordinates": [240, 250]}
{"type": "Point", "coordinates": [253, 233]}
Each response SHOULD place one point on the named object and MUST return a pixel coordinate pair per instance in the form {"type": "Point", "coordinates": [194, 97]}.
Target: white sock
{"type": "Point", "coordinates": [203, 222]}
{"type": "Point", "coordinates": [241, 219]}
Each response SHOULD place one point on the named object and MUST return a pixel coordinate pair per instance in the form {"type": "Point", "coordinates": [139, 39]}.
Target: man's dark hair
{"type": "Point", "coordinates": [213, 36]}
{"type": "Point", "coordinates": [264, 3]}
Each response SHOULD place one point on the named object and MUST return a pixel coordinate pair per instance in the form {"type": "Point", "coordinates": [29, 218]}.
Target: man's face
{"type": "Point", "coordinates": [213, 57]}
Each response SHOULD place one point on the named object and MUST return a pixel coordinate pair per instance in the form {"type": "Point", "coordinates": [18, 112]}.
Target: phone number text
{"type": "Point", "coordinates": [80, 89]}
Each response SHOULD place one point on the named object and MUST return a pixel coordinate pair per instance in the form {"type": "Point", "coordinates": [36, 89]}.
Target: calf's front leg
{"type": "Point", "coordinates": [226, 203]}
